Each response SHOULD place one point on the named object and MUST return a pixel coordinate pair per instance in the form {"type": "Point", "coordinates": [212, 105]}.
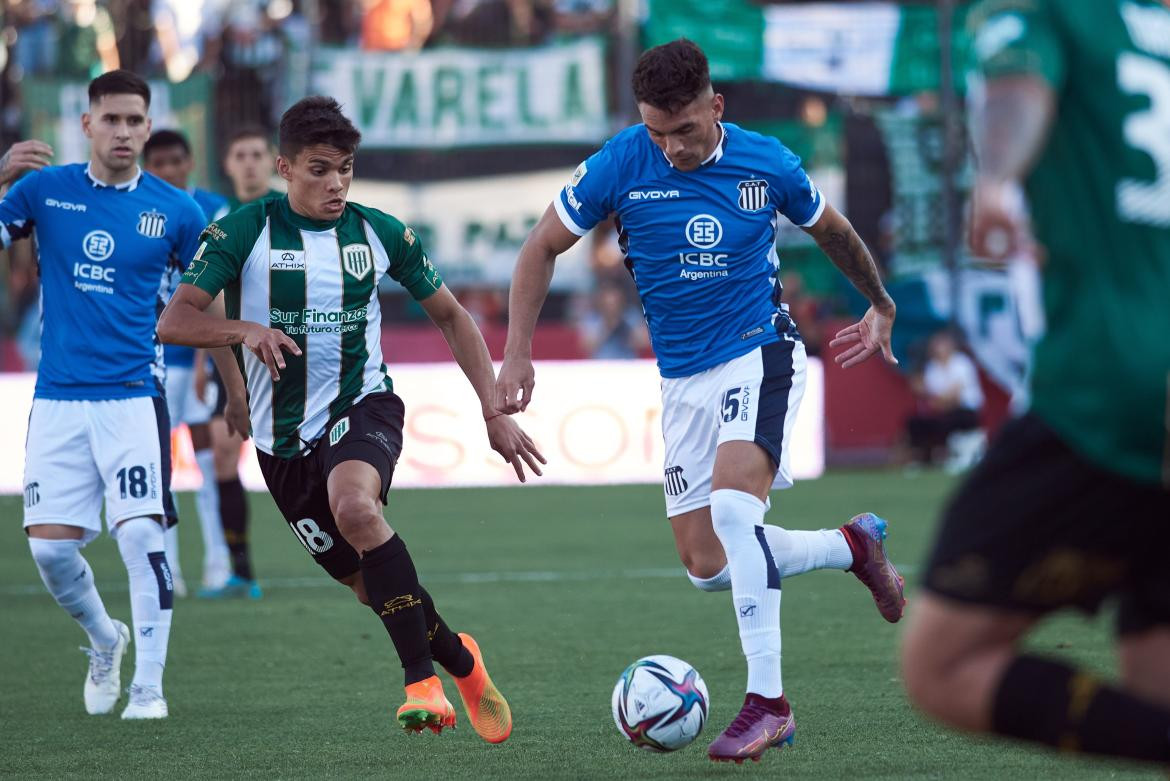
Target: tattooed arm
{"type": "Point", "coordinates": [837, 239]}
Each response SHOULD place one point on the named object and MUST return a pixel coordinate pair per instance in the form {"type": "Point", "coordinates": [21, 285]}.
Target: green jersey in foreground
{"type": "Point", "coordinates": [1100, 201]}
{"type": "Point", "coordinates": [317, 282]}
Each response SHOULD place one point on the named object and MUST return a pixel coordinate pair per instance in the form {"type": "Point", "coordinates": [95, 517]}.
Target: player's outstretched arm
{"type": "Point", "coordinates": [530, 282]}
{"type": "Point", "coordinates": [870, 335]}
{"type": "Point", "coordinates": [186, 321]}
{"type": "Point", "coordinates": [471, 353]}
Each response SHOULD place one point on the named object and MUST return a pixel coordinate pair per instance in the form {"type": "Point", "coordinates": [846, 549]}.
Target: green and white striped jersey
{"type": "Point", "coordinates": [317, 282]}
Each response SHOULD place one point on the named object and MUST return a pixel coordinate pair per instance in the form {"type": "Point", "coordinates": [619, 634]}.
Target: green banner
{"type": "Point", "coordinates": [449, 97]}
{"type": "Point", "coordinates": [53, 109]}
{"type": "Point", "coordinates": [730, 32]}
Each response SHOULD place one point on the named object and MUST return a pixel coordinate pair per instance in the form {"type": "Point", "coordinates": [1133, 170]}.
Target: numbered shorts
{"type": "Point", "coordinates": [81, 453]}
{"type": "Point", "coordinates": [753, 398]}
{"type": "Point", "coordinates": [1036, 528]}
{"type": "Point", "coordinates": [183, 404]}
{"type": "Point", "coordinates": [369, 431]}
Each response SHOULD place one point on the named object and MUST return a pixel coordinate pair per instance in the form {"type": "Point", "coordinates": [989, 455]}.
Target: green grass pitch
{"type": "Point", "coordinates": [563, 587]}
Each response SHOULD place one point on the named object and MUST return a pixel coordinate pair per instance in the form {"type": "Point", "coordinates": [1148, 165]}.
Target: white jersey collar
{"type": "Point", "coordinates": [128, 186]}
{"type": "Point", "coordinates": [715, 155]}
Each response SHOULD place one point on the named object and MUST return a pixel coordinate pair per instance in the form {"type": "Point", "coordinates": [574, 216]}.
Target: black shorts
{"type": "Point", "coordinates": [369, 431]}
{"type": "Point", "coordinates": [1037, 528]}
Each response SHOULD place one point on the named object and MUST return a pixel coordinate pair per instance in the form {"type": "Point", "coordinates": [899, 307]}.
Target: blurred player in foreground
{"type": "Point", "coordinates": [698, 201]}
{"type": "Point", "coordinates": [301, 276]}
{"type": "Point", "coordinates": [167, 155]}
{"type": "Point", "coordinates": [1068, 506]}
{"type": "Point", "coordinates": [250, 165]}
{"type": "Point", "coordinates": [106, 233]}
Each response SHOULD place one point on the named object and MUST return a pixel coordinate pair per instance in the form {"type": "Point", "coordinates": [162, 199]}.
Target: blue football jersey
{"type": "Point", "coordinates": [102, 252]}
{"type": "Point", "coordinates": [700, 244]}
{"type": "Point", "coordinates": [214, 206]}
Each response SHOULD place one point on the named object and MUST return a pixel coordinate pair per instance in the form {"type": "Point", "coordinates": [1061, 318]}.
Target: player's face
{"type": "Point", "coordinates": [117, 128]}
{"type": "Point", "coordinates": [688, 136]}
{"type": "Point", "coordinates": [318, 180]}
{"type": "Point", "coordinates": [249, 164]}
{"type": "Point", "coordinates": [171, 164]}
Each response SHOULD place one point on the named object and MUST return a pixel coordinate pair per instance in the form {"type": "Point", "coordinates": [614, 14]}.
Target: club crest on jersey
{"type": "Point", "coordinates": [356, 260]}
{"type": "Point", "coordinates": [753, 194]}
{"type": "Point", "coordinates": [152, 225]}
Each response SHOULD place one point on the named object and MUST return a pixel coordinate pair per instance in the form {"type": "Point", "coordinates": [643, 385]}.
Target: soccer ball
{"type": "Point", "coordinates": [660, 703]}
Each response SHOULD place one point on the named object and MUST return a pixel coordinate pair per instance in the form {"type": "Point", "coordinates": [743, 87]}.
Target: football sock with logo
{"type": "Point", "coordinates": [396, 597]}
{"type": "Point", "coordinates": [215, 552]}
{"type": "Point", "coordinates": [171, 543]}
{"type": "Point", "coordinates": [796, 551]}
{"type": "Point", "coordinates": [1048, 702]}
{"type": "Point", "coordinates": [233, 510]}
{"type": "Point", "coordinates": [446, 647]}
{"type": "Point", "coordinates": [68, 577]}
{"type": "Point", "coordinates": [140, 541]}
{"type": "Point", "coordinates": [720, 581]}
{"type": "Point", "coordinates": [737, 518]}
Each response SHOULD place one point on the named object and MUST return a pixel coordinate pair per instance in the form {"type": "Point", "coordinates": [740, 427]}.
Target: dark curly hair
{"type": "Point", "coordinates": [670, 76]}
{"type": "Point", "coordinates": [314, 120]}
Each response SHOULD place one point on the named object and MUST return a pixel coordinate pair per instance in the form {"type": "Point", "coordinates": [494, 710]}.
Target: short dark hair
{"type": "Point", "coordinates": [165, 139]}
{"type": "Point", "coordinates": [670, 76]}
{"type": "Point", "coordinates": [247, 131]}
{"type": "Point", "coordinates": [119, 82]}
{"type": "Point", "coordinates": [316, 119]}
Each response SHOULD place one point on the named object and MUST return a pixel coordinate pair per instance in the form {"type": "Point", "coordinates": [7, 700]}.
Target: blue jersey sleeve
{"type": "Point", "coordinates": [17, 215]}
{"type": "Point", "coordinates": [800, 200]}
{"type": "Point", "coordinates": [588, 197]}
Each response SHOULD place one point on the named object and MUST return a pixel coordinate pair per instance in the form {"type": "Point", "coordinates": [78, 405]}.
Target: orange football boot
{"type": "Point", "coordinates": [426, 706]}
{"type": "Point", "coordinates": [486, 707]}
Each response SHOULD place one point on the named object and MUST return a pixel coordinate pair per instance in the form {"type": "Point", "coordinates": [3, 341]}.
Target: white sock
{"type": "Point", "coordinates": [171, 542]}
{"type": "Point", "coordinates": [215, 550]}
{"type": "Point", "coordinates": [68, 577]}
{"type": "Point", "coordinates": [140, 541]}
{"type": "Point", "coordinates": [720, 581]}
{"type": "Point", "coordinates": [738, 519]}
{"type": "Point", "coordinates": [797, 551]}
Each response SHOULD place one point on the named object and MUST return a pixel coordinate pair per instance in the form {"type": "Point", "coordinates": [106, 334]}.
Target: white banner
{"type": "Point", "coordinates": [596, 422]}
{"type": "Point", "coordinates": [832, 47]}
{"type": "Point", "coordinates": [467, 97]}
{"type": "Point", "coordinates": [473, 228]}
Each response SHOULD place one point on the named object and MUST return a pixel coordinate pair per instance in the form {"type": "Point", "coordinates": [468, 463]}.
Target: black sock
{"type": "Point", "coordinates": [233, 513]}
{"type": "Point", "coordinates": [395, 595]}
{"type": "Point", "coordinates": [446, 647]}
{"type": "Point", "coordinates": [1051, 703]}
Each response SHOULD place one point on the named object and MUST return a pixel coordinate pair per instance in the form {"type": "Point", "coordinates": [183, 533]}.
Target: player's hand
{"type": "Point", "coordinates": [31, 155]}
{"type": "Point", "coordinates": [1000, 228]}
{"type": "Point", "coordinates": [515, 446]}
{"type": "Point", "coordinates": [236, 416]}
{"type": "Point", "coordinates": [269, 345]}
{"type": "Point", "coordinates": [865, 338]}
{"type": "Point", "coordinates": [514, 385]}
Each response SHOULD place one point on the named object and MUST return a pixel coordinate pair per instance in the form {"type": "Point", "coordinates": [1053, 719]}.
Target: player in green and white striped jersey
{"type": "Point", "coordinates": [300, 276]}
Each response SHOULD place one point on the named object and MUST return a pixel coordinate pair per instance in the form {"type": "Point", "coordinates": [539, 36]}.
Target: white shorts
{"type": "Point", "coordinates": [81, 452]}
{"type": "Point", "coordinates": [182, 403]}
{"type": "Point", "coordinates": [753, 398]}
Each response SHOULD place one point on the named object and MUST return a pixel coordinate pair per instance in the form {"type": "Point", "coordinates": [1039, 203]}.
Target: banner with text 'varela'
{"type": "Point", "coordinates": [450, 97]}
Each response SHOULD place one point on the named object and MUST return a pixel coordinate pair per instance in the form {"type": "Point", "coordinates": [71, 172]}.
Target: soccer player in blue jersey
{"type": "Point", "coordinates": [697, 201]}
{"type": "Point", "coordinates": [167, 155]}
{"type": "Point", "coordinates": [105, 234]}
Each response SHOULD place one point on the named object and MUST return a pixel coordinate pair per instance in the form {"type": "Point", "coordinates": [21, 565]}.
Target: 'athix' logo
{"type": "Point", "coordinates": [403, 602]}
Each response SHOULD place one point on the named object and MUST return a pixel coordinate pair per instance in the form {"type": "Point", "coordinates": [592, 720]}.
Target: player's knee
{"type": "Point", "coordinates": [356, 516]}
{"type": "Point", "coordinates": [50, 554]}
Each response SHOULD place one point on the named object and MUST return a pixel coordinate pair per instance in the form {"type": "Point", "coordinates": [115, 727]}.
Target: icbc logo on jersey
{"type": "Point", "coordinates": [704, 232]}
{"type": "Point", "coordinates": [98, 246]}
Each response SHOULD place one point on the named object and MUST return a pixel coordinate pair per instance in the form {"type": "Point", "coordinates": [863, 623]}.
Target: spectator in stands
{"type": "Point", "coordinates": [613, 330]}
{"type": "Point", "coordinates": [396, 25]}
{"type": "Point", "coordinates": [248, 45]}
{"type": "Point", "coordinates": [86, 45]}
{"type": "Point", "coordinates": [949, 400]}
{"type": "Point", "coordinates": [34, 49]}
{"type": "Point", "coordinates": [495, 22]}
{"type": "Point", "coordinates": [179, 25]}
{"type": "Point", "coordinates": [582, 17]}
